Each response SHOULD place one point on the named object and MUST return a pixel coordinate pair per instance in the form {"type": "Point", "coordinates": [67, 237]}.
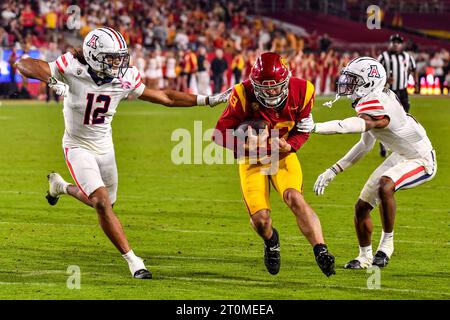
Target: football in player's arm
{"type": "Point", "coordinates": [412, 162]}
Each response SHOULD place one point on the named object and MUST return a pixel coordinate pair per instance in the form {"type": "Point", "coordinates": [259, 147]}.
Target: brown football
{"type": "Point", "coordinates": [257, 125]}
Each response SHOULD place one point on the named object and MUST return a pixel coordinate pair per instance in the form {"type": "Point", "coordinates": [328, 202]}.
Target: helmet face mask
{"type": "Point", "coordinates": [348, 82]}
{"type": "Point", "coordinates": [271, 94]}
{"type": "Point", "coordinates": [270, 80]}
{"type": "Point", "coordinates": [113, 65]}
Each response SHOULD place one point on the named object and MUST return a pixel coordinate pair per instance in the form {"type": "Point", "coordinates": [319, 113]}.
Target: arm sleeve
{"type": "Point", "coordinates": [297, 139]}
{"type": "Point", "coordinates": [232, 116]}
{"type": "Point", "coordinates": [137, 86]}
{"type": "Point", "coordinates": [358, 151]}
{"type": "Point", "coordinates": [348, 125]}
{"type": "Point", "coordinates": [61, 66]}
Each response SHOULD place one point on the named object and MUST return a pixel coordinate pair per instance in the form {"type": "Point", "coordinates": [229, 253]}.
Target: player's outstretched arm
{"type": "Point", "coordinates": [359, 124]}
{"type": "Point", "coordinates": [172, 98]}
{"type": "Point", "coordinates": [357, 152]}
{"type": "Point", "coordinates": [34, 68]}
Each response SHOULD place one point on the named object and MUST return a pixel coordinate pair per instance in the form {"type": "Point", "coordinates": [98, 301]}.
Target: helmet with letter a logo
{"type": "Point", "coordinates": [270, 79]}
{"type": "Point", "coordinates": [360, 77]}
{"type": "Point", "coordinates": [106, 52]}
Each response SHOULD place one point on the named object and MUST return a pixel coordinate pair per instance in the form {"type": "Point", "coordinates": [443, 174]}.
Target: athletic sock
{"type": "Point", "coordinates": [387, 243]}
{"type": "Point", "coordinates": [65, 186]}
{"type": "Point", "coordinates": [366, 253]}
{"type": "Point", "coordinates": [134, 262]}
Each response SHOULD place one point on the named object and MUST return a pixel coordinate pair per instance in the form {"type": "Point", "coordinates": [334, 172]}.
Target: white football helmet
{"type": "Point", "coordinates": [106, 52]}
{"type": "Point", "coordinates": [360, 77]}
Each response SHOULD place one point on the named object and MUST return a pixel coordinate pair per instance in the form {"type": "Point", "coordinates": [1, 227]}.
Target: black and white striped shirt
{"type": "Point", "coordinates": [398, 66]}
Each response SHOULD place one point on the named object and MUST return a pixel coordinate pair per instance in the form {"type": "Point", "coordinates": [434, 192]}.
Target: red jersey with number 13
{"type": "Point", "coordinates": [243, 106]}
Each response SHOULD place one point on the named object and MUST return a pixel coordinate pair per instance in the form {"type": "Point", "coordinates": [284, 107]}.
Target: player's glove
{"type": "Point", "coordinates": [306, 125]}
{"type": "Point", "coordinates": [59, 87]}
{"type": "Point", "coordinates": [324, 179]}
{"type": "Point", "coordinates": [216, 99]}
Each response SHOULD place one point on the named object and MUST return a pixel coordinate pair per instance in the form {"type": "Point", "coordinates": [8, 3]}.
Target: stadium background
{"type": "Point", "coordinates": [188, 221]}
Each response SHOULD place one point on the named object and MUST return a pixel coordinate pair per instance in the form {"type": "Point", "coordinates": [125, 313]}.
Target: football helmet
{"type": "Point", "coordinates": [360, 77]}
{"type": "Point", "coordinates": [106, 52]}
{"type": "Point", "coordinates": [270, 79]}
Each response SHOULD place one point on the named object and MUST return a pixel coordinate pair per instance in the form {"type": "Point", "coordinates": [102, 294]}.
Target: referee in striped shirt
{"type": "Point", "coordinates": [398, 64]}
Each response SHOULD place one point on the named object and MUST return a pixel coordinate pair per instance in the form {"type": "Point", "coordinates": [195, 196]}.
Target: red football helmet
{"type": "Point", "coordinates": [270, 79]}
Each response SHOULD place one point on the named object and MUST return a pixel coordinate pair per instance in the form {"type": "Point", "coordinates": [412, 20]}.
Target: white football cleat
{"type": "Point", "coordinates": [57, 187]}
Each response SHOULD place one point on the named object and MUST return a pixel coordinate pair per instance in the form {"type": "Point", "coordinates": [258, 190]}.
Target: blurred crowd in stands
{"type": "Point", "coordinates": [191, 45]}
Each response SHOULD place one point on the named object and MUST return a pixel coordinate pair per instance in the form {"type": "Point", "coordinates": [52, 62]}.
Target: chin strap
{"type": "Point", "coordinates": [329, 104]}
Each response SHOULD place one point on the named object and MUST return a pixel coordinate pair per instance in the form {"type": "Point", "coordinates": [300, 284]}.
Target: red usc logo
{"type": "Point", "coordinates": [92, 42]}
{"type": "Point", "coordinates": [373, 72]}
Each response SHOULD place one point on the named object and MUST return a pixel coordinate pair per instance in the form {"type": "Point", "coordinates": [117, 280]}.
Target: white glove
{"type": "Point", "coordinates": [323, 180]}
{"type": "Point", "coordinates": [306, 125]}
{"type": "Point", "coordinates": [220, 97]}
{"type": "Point", "coordinates": [59, 87]}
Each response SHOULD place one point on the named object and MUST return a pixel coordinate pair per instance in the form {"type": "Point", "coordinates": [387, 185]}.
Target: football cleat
{"type": "Point", "coordinates": [358, 263]}
{"type": "Point", "coordinates": [142, 274]}
{"type": "Point", "coordinates": [380, 259]}
{"type": "Point", "coordinates": [56, 187]}
{"type": "Point", "coordinates": [383, 151]}
{"type": "Point", "coordinates": [272, 258]}
{"type": "Point", "coordinates": [324, 259]}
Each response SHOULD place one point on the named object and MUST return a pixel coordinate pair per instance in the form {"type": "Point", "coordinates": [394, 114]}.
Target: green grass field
{"type": "Point", "coordinates": [189, 223]}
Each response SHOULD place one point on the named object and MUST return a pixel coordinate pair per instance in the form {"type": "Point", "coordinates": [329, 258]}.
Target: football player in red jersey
{"type": "Point", "coordinates": [280, 100]}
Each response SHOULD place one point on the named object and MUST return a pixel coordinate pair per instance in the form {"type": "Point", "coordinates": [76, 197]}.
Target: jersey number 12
{"type": "Point", "coordinates": [96, 117]}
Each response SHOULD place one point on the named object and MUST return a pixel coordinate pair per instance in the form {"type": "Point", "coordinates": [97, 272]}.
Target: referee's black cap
{"type": "Point", "coordinates": [396, 38]}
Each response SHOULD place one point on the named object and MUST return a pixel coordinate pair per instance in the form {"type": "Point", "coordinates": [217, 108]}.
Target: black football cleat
{"type": "Point", "coordinates": [142, 274]}
{"type": "Point", "coordinates": [380, 259]}
{"type": "Point", "coordinates": [51, 200]}
{"type": "Point", "coordinates": [272, 257]}
{"type": "Point", "coordinates": [324, 259]}
{"type": "Point", "coordinates": [383, 151]}
{"type": "Point", "coordinates": [354, 264]}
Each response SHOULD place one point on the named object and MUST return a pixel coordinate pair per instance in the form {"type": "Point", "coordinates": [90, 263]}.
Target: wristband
{"type": "Point", "coordinates": [336, 168]}
{"type": "Point", "coordinates": [201, 100]}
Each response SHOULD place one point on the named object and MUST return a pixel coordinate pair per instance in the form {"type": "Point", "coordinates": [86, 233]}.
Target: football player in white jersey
{"type": "Point", "coordinates": [381, 116]}
{"type": "Point", "coordinates": [93, 83]}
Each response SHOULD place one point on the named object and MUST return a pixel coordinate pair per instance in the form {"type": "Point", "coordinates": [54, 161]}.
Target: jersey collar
{"type": "Point", "coordinates": [98, 81]}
